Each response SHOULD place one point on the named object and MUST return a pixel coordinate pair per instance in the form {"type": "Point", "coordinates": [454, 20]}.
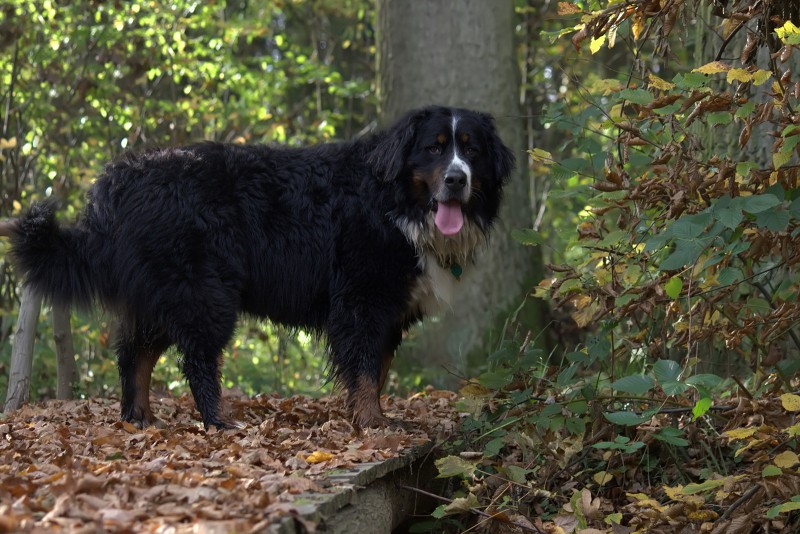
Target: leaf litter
{"type": "Point", "coordinates": [72, 466]}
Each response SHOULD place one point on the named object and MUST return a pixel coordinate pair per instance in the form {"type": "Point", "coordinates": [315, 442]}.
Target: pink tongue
{"type": "Point", "coordinates": [449, 218]}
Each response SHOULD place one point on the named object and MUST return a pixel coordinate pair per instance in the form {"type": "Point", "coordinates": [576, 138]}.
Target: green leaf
{"type": "Point", "coordinates": [496, 379]}
{"type": "Point", "coordinates": [704, 379]}
{"type": "Point", "coordinates": [689, 226]}
{"type": "Point", "coordinates": [517, 474]}
{"type": "Point", "coordinates": [701, 407]}
{"type": "Point", "coordinates": [745, 109]}
{"type": "Point", "coordinates": [629, 418]}
{"type": "Point", "coordinates": [790, 506]}
{"type": "Point", "coordinates": [758, 305]}
{"type": "Point", "coordinates": [708, 485]}
{"type": "Point", "coordinates": [620, 443]}
{"type": "Point", "coordinates": [744, 168]}
{"type": "Point", "coordinates": [666, 370]}
{"type": "Point", "coordinates": [730, 217]}
{"type": "Point", "coordinates": [527, 236]}
{"type": "Point", "coordinates": [674, 388]}
{"type": "Point", "coordinates": [774, 220]}
{"type": "Point", "coordinates": [672, 436]}
{"type": "Point", "coordinates": [636, 96]}
{"type": "Point", "coordinates": [691, 80]}
{"type": "Point", "coordinates": [673, 287]}
{"type": "Point", "coordinates": [719, 118]}
{"type": "Point", "coordinates": [771, 471]}
{"type": "Point", "coordinates": [439, 512]}
{"type": "Point", "coordinates": [493, 447]}
{"type": "Point", "coordinates": [730, 275]}
{"type": "Point", "coordinates": [455, 466]}
{"type": "Point", "coordinates": [634, 384]}
{"type": "Point", "coordinates": [685, 253]}
{"type": "Point", "coordinates": [758, 203]}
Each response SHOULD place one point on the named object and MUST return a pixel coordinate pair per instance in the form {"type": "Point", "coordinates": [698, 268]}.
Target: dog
{"type": "Point", "coordinates": [356, 240]}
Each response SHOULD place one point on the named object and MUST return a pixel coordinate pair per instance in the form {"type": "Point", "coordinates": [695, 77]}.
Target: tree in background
{"type": "Point", "coordinates": [468, 61]}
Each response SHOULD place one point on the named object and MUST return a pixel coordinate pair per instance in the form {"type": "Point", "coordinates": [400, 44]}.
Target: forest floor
{"type": "Point", "coordinates": [72, 466]}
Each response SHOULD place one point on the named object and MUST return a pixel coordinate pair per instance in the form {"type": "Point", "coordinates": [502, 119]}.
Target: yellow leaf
{"type": "Point", "coordinates": [318, 457]}
{"type": "Point", "coordinates": [473, 389]}
{"type": "Point", "coordinates": [539, 154]}
{"type": "Point", "coordinates": [779, 159]}
{"type": "Point", "coordinates": [739, 75]}
{"type": "Point", "coordinates": [793, 430]}
{"type": "Point", "coordinates": [675, 494]}
{"type": "Point", "coordinates": [702, 515]}
{"type": "Point", "coordinates": [602, 477]}
{"type": "Point", "coordinates": [596, 44]}
{"type": "Point", "coordinates": [543, 289]}
{"type": "Point", "coordinates": [790, 402]}
{"type": "Point", "coordinates": [8, 143]}
{"type": "Point", "coordinates": [760, 76]}
{"type": "Point", "coordinates": [606, 86]}
{"type": "Point", "coordinates": [786, 459]}
{"type": "Point", "coordinates": [612, 36]}
{"type": "Point", "coordinates": [786, 30]}
{"type": "Point", "coordinates": [712, 68]}
{"type": "Point", "coordinates": [615, 112]}
{"type": "Point", "coordinates": [568, 8]}
{"type": "Point", "coordinates": [585, 308]}
{"type": "Point", "coordinates": [637, 26]}
{"type": "Point", "coordinates": [740, 433]}
{"type": "Point", "coordinates": [659, 83]}
{"type": "Point", "coordinates": [752, 444]}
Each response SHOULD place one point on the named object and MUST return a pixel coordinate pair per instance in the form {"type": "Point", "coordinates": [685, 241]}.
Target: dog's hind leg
{"type": "Point", "coordinates": [137, 353]}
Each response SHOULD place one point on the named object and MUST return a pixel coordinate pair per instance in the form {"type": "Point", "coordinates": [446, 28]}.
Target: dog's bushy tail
{"type": "Point", "coordinates": [54, 261]}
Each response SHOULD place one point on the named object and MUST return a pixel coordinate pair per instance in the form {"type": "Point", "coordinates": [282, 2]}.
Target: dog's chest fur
{"type": "Point", "coordinates": [434, 288]}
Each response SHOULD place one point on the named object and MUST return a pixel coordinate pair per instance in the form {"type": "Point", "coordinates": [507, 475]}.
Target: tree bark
{"type": "Point", "coordinates": [19, 378]}
{"type": "Point", "coordinates": [66, 370]}
{"type": "Point", "coordinates": [462, 54]}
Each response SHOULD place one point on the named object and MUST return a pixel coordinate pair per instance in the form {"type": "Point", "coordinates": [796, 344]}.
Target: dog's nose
{"type": "Point", "coordinates": [455, 180]}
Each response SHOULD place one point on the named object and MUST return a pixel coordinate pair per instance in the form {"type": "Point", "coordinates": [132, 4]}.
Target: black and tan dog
{"type": "Point", "coordinates": [356, 240]}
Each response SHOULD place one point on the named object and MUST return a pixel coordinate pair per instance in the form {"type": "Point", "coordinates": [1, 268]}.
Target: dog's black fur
{"type": "Point", "coordinates": [337, 238]}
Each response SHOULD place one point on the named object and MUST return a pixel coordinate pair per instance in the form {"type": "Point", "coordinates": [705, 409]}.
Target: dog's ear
{"type": "Point", "coordinates": [504, 160]}
{"type": "Point", "coordinates": [388, 157]}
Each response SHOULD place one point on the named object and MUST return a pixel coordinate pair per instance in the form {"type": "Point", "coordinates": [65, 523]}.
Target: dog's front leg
{"type": "Point", "coordinates": [362, 344]}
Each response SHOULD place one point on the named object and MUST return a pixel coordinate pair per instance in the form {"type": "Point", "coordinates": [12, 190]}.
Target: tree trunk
{"type": "Point", "coordinates": [462, 54]}
{"type": "Point", "coordinates": [67, 371]}
{"type": "Point", "coordinates": [19, 378]}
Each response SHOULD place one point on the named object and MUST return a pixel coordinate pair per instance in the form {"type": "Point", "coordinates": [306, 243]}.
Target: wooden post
{"type": "Point", "coordinates": [19, 379]}
{"type": "Point", "coordinates": [67, 371]}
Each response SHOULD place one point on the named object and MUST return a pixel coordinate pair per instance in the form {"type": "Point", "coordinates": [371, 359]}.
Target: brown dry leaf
{"type": "Point", "coordinates": [72, 466]}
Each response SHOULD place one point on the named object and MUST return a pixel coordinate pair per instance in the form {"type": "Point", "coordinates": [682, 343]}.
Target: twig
{"type": "Point", "coordinates": [740, 501]}
{"type": "Point", "coordinates": [473, 510]}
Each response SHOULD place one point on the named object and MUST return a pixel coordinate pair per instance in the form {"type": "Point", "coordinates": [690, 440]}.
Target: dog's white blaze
{"type": "Point", "coordinates": [435, 287]}
{"type": "Point", "coordinates": [457, 163]}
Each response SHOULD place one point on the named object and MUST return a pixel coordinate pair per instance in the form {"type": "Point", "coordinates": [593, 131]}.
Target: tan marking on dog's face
{"type": "Point", "coordinates": [441, 138]}
{"type": "Point", "coordinates": [464, 137]}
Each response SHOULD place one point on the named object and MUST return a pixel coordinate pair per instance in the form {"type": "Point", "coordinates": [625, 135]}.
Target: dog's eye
{"type": "Point", "coordinates": [435, 149]}
{"type": "Point", "coordinates": [470, 151]}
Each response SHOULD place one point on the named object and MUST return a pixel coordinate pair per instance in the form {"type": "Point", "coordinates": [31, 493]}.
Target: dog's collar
{"type": "Point", "coordinates": [454, 267]}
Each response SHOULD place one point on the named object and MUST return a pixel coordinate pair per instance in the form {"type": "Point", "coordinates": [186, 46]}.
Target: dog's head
{"type": "Point", "coordinates": [449, 166]}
